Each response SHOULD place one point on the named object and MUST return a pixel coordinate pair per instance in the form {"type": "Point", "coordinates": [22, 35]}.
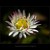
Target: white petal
{"type": "Point", "coordinates": [24, 35]}
{"type": "Point", "coordinates": [13, 20]}
{"type": "Point", "coordinates": [28, 16]}
{"type": "Point", "coordinates": [27, 33]}
{"type": "Point", "coordinates": [19, 11]}
{"type": "Point", "coordinates": [11, 33]}
{"type": "Point", "coordinates": [11, 28]}
{"type": "Point", "coordinates": [21, 28]}
{"type": "Point", "coordinates": [16, 33]}
{"type": "Point", "coordinates": [34, 26]}
{"type": "Point", "coordinates": [24, 30]}
{"type": "Point", "coordinates": [20, 35]}
{"type": "Point", "coordinates": [35, 17]}
{"type": "Point", "coordinates": [23, 12]}
{"type": "Point", "coordinates": [30, 31]}
{"type": "Point", "coordinates": [32, 17]}
{"type": "Point", "coordinates": [35, 30]}
{"type": "Point", "coordinates": [31, 23]}
{"type": "Point", "coordinates": [8, 27]}
{"type": "Point", "coordinates": [10, 18]}
{"type": "Point", "coordinates": [36, 22]}
{"type": "Point", "coordinates": [15, 14]}
{"type": "Point", "coordinates": [20, 14]}
{"type": "Point", "coordinates": [9, 23]}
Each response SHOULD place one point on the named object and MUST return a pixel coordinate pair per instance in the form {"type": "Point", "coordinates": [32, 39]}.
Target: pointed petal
{"type": "Point", "coordinates": [30, 31]}
{"type": "Point", "coordinates": [35, 30]}
{"type": "Point", "coordinates": [32, 18]}
{"type": "Point", "coordinates": [19, 11]}
{"type": "Point", "coordinates": [13, 21]}
{"type": "Point", "coordinates": [35, 18]}
{"type": "Point", "coordinates": [24, 35]}
{"type": "Point", "coordinates": [27, 33]}
{"type": "Point", "coordinates": [8, 27]}
{"type": "Point", "coordinates": [11, 33]}
{"type": "Point", "coordinates": [28, 16]}
{"type": "Point", "coordinates": [31, 23]}
{"type": "Point", "coordinates": [14, 13]}
{"type": "Point", "coordinates": [9, 23]}
{"type": "Point", "coordinates": [36, 22]}
{"type": "Point", "coordinates": [34, 26]}
{"type": "Point", "coordinates": [20, 14]}
{"type": "Point", "coordinates": [11, 28]}
{"type": "Point", "coordinates": [16, 33]}
{"type": "Point", "coordinates": [21, 28]}
{"type": "Point", "coordinates": [10, 18]}
{"type": "Point", "coordinates": [20, 35]}
{"type": "Point", "coordinates": [11, 15]}
{"type": "Point", "coordinates": [23, 12]}
{"type": "Point", "coordinates": [24, 30]}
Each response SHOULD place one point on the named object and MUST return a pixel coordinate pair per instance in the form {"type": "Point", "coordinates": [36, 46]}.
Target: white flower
{"type": "Point", "coordinates": [22, 25]}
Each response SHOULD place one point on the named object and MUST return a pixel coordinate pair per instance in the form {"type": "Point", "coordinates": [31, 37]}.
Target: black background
{"type": "Point", "coordinates": [29, 6]}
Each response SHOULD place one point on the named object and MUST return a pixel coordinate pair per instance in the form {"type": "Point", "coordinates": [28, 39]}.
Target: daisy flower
{"type": "Point", "coordinates": [21, 25]}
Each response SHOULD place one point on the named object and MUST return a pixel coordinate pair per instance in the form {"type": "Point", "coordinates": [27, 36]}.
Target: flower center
{"type": "Point", "coordinates": [21, 22]}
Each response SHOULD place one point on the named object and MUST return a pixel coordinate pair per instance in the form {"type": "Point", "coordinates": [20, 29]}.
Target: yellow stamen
{"type": "Point", "coordinates": [21, 22]}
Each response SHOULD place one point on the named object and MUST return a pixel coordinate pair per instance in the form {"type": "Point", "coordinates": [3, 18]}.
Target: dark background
{"type": "Point", "coordinates": [28, 7]}
{"type": "Point", "coordinates": [44, 10]}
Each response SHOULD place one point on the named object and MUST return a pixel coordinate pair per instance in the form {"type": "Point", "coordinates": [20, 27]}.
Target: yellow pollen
{"type": "Point", "coordinates": [21, 22]}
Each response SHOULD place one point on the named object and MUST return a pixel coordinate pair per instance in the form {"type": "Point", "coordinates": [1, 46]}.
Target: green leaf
{"type": "Point", "coordinates": [28, 39]}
